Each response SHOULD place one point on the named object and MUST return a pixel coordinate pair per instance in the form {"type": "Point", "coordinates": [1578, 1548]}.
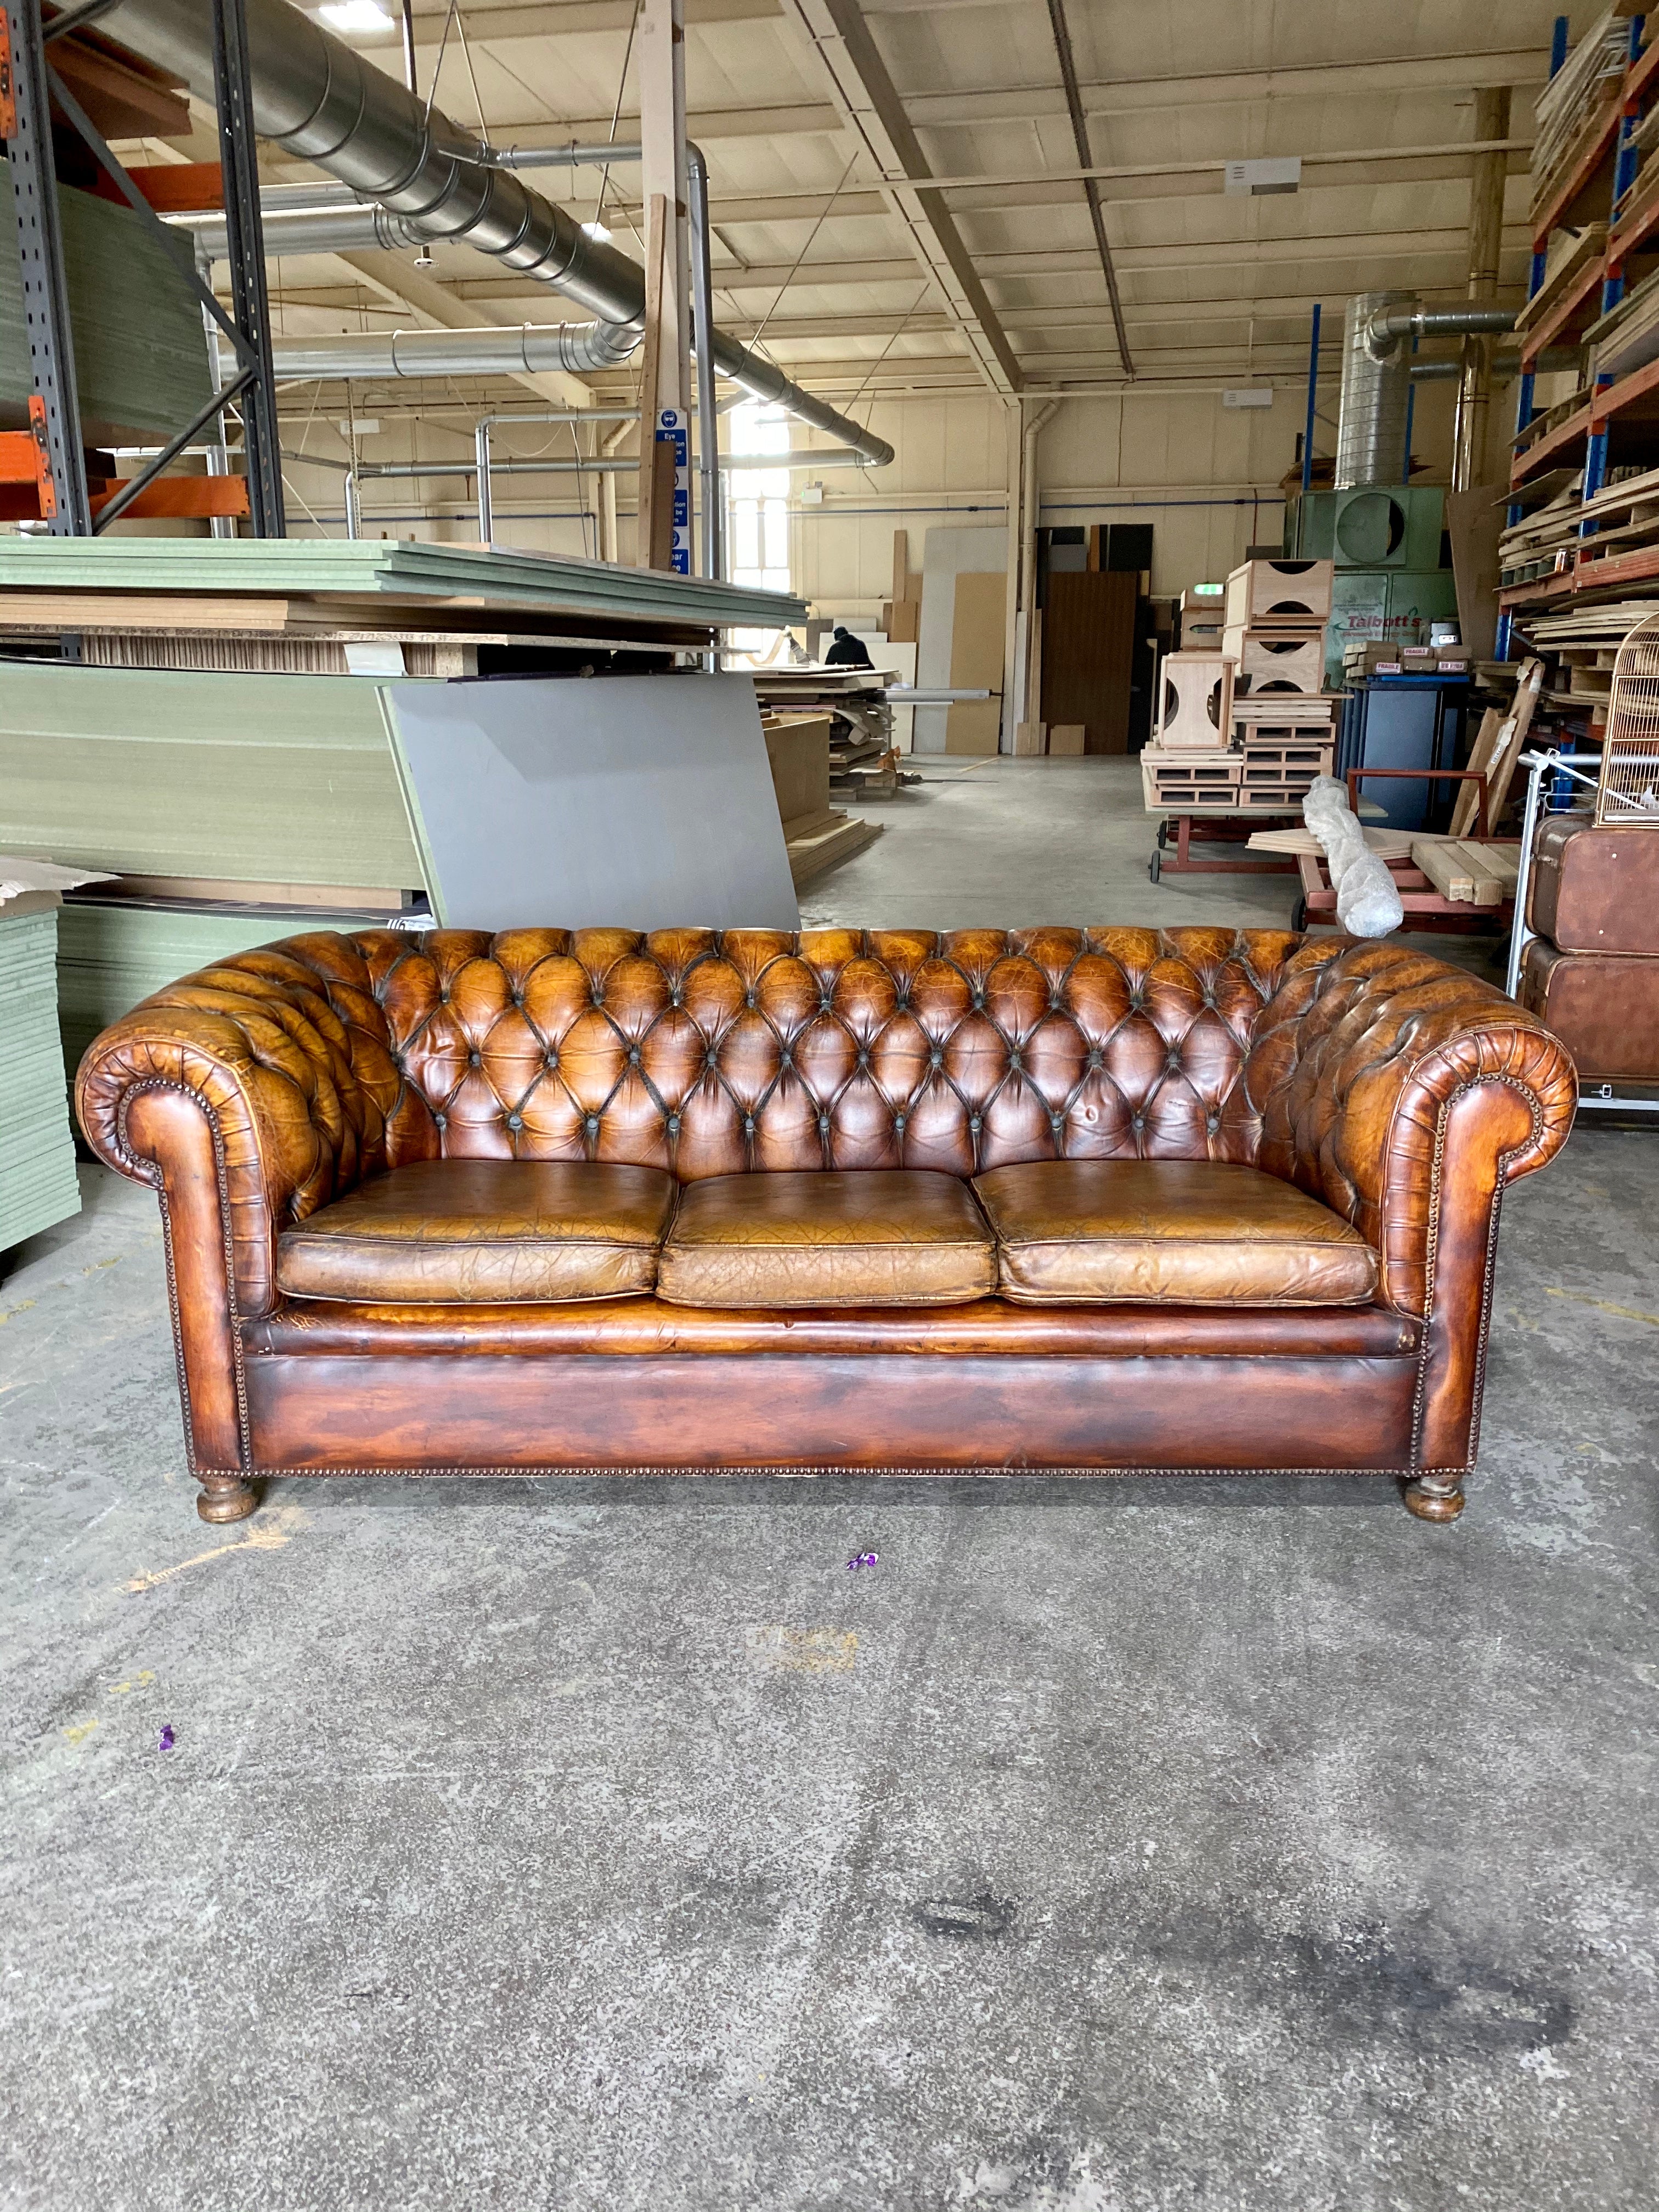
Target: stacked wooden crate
{"type": "Point", "coordinates": [1246, 727]}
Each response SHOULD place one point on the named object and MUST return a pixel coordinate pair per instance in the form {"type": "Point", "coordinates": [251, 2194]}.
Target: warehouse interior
{"type": "Point", "coordinates": [802, 805]}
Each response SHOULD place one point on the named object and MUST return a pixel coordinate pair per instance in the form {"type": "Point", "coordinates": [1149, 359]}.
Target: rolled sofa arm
{"type": "Point", "coordinates": [1406, 1093]}
{"type": "Point", "coordinates": [246, 1101]}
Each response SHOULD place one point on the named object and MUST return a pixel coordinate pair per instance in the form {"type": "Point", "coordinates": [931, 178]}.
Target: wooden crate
{"type": "Point", "coordinates": [1262, 594]}
{"type": "Point", "coordinates": [1286, 660]}
{"type": "Point", "coordinates": [1188, 783]}
{"type": "Point", "coordinates": [1302, 754]}
{"type": "Point", "coordinates": [1195, 699]}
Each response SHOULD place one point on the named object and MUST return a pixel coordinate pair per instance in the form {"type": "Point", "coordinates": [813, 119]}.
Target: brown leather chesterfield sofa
{"type": "Point", "coordinates": [1109, 1199]}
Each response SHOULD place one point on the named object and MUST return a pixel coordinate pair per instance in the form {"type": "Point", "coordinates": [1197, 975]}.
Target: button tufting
{"type": "Point", "coordinates": [673, 1125]}
{"type": "Point", "coordinates": [476, 1060]}
{"type": "Point", "coordinates": [974, 1123]}
{"type": "Point", "coordinates": [593, 1125]}
{"type": "Point", "coordinates": [823, 1124]}
{"type": "Point", "coordinates": [937, 1057]}
{"type": "Point", "coordinates": [748, 1125]}
{"type": "Point", "coordinates": [515, 1120]}
{"type": "Point", "coordinates": [633, 1055]}
{"type": "Point", "coordinates": [442, 1121]}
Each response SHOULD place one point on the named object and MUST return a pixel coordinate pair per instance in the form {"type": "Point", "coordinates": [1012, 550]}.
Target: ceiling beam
{"type": "Point", "coordinates": [865, 93]}
{"type": "Point", "coordinates": [1062, 36]}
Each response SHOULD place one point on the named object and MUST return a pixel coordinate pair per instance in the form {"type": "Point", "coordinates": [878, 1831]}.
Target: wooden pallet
{"type": "Point", "coordinates": [1467, 872]}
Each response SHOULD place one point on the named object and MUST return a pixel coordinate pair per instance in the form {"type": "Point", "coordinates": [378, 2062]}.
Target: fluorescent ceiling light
{"type": "Point", "coordinates": [598, 231]}
{"type": "Point", "coordinates": [363, 16]}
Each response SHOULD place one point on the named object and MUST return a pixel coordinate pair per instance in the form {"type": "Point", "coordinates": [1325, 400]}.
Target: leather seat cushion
{"type": "Point", "coordinates": [1190, 1232]}
{"type": "Point", "coordinates": [885, 1236]}
{"type": "Point", "coordinates": [446, 1232]}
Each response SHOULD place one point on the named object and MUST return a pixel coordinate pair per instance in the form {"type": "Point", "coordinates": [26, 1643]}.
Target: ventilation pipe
{"type": "Point", "coordinates": [573, 346]}
{"type": "Point", "coordinates": [1377, 378]}
{"type": "Point", "coordinates": [323, 103]}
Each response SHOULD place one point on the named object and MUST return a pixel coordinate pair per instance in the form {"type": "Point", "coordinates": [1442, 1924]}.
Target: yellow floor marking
{"type": "Point", "coordinates": [78, 1731]}
{"type": "Point", "coordinates": [1604, 1305]}
{"type": "Point", "coordinates": [140, 1680]}
{"type": "Point", "coordinates": [802, 1651]}
{"type": "Point", "coordinates": [12, 1312]}
{"type": "Point", "coordinates": [268, 1535]}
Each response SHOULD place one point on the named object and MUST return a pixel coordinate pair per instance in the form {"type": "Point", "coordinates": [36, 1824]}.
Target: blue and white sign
{"type": "Point", "coordinates": [671, 424]}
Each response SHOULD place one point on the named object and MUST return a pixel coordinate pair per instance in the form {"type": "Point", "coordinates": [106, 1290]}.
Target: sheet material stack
{"type": "Point", "coordinates": [38, 1186]}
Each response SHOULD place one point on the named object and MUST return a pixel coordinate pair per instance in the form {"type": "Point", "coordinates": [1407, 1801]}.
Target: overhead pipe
{"type": "Point", "coordinates": [532, 349]}
{"type": "Point", "coordinates": [324, 103]}
{"type": "Point", "coordinates": [1372, 435]}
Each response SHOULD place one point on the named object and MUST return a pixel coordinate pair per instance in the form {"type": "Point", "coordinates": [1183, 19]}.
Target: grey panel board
{"type": "Point", "coordinates": [276, 779]}
{"type": "Point", "coordinates": [640, 801]}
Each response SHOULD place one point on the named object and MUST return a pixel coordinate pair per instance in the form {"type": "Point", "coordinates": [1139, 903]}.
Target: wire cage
{"type": "Point", "coordinates": [1628, 791]}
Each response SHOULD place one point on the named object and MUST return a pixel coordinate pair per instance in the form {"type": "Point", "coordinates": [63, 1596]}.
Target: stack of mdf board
{"type": "Point", "coordinates": [141, 360]}
{"type": "Point", "coordinates": [156, 592]}
{"type": "Point", "coordinates": [817, 837]}
{"type": "Point", "coordinates": [1277, 612]}
{"type": "Point", "coordinates": [36, 1154]}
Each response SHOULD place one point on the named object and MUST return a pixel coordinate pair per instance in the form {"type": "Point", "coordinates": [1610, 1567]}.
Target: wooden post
{"type": "Point", "coordinates": [661, 46]}
{"type": "Point", "coordinates": [1488, 171]}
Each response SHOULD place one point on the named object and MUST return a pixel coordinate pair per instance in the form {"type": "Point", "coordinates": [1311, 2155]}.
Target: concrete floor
{"type": "Point", "coordinates": [1246, 1846]}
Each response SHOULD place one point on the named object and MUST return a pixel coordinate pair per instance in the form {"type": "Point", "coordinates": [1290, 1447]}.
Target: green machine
{"type": "Point", "coordinates": [1393, 573]}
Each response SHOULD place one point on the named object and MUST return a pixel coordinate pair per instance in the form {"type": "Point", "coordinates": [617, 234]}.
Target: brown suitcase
{"type": "Point", "coordinates": [1604, 1007]}
{"type": "Point", "coordinates": [1595, 891]}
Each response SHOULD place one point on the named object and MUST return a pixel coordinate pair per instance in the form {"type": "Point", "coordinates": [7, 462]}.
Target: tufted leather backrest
{"type": "Point", "coordinates": [715, 1053]}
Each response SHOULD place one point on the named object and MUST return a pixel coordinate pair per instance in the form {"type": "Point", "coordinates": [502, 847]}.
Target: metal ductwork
{"type": "Point", "coordinates": [324, 103]}
{"type": "Point", "coordinates": [1434, 322]}
{"type": "Point", "coordinates": [1377, 378]}
{"type": "Point", "coordinates": [528, 349]}
{"type": "Point", "coordinates": [1371, 430]}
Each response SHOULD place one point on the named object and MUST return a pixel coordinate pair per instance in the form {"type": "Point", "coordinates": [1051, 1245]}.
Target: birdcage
{"type": "Point", "coordinates": [1627, 794]}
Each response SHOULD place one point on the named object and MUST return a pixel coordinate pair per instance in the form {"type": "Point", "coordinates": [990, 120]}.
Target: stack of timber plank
{"type": "Point", "coordinates": [816, 836]}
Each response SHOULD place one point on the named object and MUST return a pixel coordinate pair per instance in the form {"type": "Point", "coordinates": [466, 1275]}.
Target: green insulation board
{"type": "Point", "coordinates": [36, 1154]}
{"type": "Point", "coordinates": [140, 359]}
{"type": "Point", "coordinates": [265, 779]}
{"type": "Point", "coordinates": [390, 570]}
{"type": "Point", "coordinates": [111, 955]}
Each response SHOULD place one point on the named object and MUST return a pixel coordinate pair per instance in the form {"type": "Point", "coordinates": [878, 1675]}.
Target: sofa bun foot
{"type": "Point", "coordinates": [226, 1501]}
{"type": "Point", "coordinates": [1435, 1497]}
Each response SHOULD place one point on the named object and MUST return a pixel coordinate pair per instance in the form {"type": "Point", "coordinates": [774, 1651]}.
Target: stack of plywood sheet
{"type": "Point", "coordinates": [36, 1154]}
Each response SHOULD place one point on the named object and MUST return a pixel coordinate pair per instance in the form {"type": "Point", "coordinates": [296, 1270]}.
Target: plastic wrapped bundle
{"type": "Point", "coordinates": [1367, 899]}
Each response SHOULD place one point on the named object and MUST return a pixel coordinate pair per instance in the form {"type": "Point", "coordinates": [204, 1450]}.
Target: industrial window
{"type": "Point", "coordinates": [758, 512]}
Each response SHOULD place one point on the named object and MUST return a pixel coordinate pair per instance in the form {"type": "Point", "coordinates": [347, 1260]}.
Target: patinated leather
{"type": "Point", "coordinates": [1402, 1093]}
{"type": "Point", "coordinates": [887, 1236]}
{"type": "Point", "coordinates": [1604, 1005]}
{"type": "Point", "coordinates": [449, 1232]}
{"type": "Point", "coordinates": [917, 1413]}
{"type": "Point", "coordinates": [635, 1327]}
{"type": "Point", "coordinates": [1188, 1232]}
{"type": "Point", "coordinates": [1595, 889]}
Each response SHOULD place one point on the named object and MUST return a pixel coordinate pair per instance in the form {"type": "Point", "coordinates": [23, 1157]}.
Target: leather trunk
{"type": "Point", "coordinates": [1604, 1007]}
{"type": "Point", "coordinates": [1594, 890]}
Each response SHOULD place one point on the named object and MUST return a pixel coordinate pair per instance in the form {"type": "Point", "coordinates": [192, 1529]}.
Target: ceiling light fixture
{"type": "Point", "coordinates": [365, 17]}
